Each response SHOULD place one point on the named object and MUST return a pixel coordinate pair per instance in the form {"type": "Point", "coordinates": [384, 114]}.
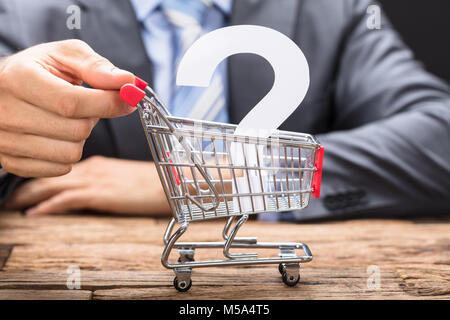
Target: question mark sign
{"type": "Point", "coordinates": [290, 67]}
{"type": "Point", "coordinates": [290, 86]}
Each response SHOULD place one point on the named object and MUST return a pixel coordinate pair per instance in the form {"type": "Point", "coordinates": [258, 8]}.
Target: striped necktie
{"type": "Point", "coordinates": [186, 17]}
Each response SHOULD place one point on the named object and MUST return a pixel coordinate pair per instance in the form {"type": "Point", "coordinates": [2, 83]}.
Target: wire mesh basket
{"type": "Point", "coordinates": [207, 171]}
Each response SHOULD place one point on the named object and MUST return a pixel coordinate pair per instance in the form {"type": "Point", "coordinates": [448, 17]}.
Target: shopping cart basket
{"type": "Point", "coordinates": [209, 172]}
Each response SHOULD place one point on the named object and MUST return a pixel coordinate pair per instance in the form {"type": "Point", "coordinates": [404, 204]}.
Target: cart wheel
{"type": "Point", "coordinates": [290, 281]}
{"type": "Point", "coordinates": [182, 286]}
{"type": "Point", "coordinates": [281, 268]}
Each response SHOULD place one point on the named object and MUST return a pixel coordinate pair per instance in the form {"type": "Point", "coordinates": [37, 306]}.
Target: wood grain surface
{"type": "Point", "coordinates": [119, 258]}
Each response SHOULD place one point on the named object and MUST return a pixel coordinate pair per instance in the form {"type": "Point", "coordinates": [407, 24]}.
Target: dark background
{"type": "Point", "coordinates": [425, 27]}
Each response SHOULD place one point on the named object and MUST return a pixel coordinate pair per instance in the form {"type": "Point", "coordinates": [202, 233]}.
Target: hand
{"type": "Point", "coordinates": [98, 183]}
{"type": "Point", "coordinates": [46, 115]}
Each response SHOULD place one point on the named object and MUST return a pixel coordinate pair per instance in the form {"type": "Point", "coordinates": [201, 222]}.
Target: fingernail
{"type": "Point", "coordinates": [120, 72]}
{"type": "Point", "coordinates": [128, 108]}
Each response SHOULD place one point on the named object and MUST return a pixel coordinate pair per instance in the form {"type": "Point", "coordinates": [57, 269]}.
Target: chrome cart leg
{"type": "Point", "coordinates": [288, 260]}
{"type": "Point", "coordinates": [231, 237]}
{"type": "Point", "coordinates": [226, 228]}
{"type": "Point", "coordinates": [168, 231]}
{"type": "Point", "coordinates": [186, 254]}
{"type": "Point", "coordinates": [182, 281]}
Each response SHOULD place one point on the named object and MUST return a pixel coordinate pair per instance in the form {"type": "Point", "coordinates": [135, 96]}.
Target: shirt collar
{"type": "Point", "coordinates": [144, 8]}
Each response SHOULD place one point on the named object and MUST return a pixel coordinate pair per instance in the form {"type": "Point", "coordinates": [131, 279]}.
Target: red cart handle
{"type": "Point", "coordinates": [141, 84]}
{"type": "Point", "coordinates": [131, 95]}
{"type": "Point", "coordinates": [317, 176]}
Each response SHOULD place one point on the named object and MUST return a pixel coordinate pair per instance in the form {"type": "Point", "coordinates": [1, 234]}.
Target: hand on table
{"type": "Point", "coordinates": [46, 115]}
{"type": "Point", "coordinates": [98, 183]}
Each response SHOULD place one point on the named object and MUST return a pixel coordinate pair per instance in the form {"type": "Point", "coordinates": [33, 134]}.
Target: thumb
{"type": "Point", "coordinates": [90, 67]}
{"type": "Point", "coordinates": [102, 74]}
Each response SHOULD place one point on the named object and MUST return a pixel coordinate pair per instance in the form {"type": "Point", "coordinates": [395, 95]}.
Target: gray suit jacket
{"type": "Point", "coordinates": [384, 121]}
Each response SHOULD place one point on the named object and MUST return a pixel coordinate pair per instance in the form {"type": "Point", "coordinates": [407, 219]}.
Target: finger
{"type": "Point", "coordinates": [38, 190]}
{"type": "Point", "coordinates": [79, 58]}
{"type": "Point", "coordinates": [22, 117]}
{"type": "Point", "coordinates": [33, 168]}
{"type": "Point", "coordinates": [68, 100]}
{"type": "Point", "coordinates": [62, 202]}
{"type": "Point", "coordinates": [31, 82]}
{"type": "Point", "coordinates": [36, 147]}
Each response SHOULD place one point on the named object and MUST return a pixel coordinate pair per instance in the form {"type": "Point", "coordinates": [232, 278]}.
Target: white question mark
{"type": "Point", "coordinates": [289, 88]}
{"type": "Point", "coordinates": [287, 60]}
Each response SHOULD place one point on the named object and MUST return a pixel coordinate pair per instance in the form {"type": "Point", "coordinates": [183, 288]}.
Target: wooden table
{"type": "Point", "coordinates": [119, 258]}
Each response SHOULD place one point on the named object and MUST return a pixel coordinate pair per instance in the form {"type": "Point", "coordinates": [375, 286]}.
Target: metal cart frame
{"type": "Point", "coordinates": [177, 147]}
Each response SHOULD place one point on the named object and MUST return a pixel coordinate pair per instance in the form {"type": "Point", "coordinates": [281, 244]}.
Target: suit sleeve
{"type": "Point", "coordinates": [9, 31]}
{"type": "Point", "coordinates": [8, 46]}
{"type": "Point", "coordinates": [8, 182]}
{"type": "Point", "coordinates": [389, 152]}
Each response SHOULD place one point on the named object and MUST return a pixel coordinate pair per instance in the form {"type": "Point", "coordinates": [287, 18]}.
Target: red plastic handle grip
{"type": "Point", "coordinates": [141, 84]}
{"type": "Point", "coordinates": [317, 176]}
{"type": "Point", "coordinates": [131, 94]}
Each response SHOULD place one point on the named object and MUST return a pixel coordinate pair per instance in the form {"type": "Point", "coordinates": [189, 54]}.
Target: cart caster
{"type": "Point", "coordinates": [281, 268]}
{"type": "Point", "coordinates": [182, 286]}
{"type": "Point", "coordinates": [290, 273]}
{"type": "Point", "coordinates": [290, 280]}
{"type": "Point", "coordinates": [182, 281]}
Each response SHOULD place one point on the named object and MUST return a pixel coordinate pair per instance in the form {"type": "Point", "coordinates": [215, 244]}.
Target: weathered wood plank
{"type": "Point", "coordinates": [93, 280]}
{"type": "Point", "coordinates": [248, 283]}
{"type": "Point", "coordinates": [237, 283]}
{"type": "Point", "coordinates": [245, 292]}
{"type": "Point", "coordinates": [12, 294]}
{"type": "Point", "coordinates": [5, 251]}
{"type": "Point", "coordinates": [435, 283]}
{"type": "Point", "coordinates": [120, 258]}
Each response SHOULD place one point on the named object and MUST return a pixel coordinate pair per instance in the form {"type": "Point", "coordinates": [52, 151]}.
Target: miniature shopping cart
{"type": "Point", "coordinates": [209, 172]}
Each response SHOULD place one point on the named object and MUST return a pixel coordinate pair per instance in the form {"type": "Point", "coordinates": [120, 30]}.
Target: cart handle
{"type": "Point", "coordinates": [141, 84]}
{"type": "Point", "coordinates": [133, 95]}
{"type": "Point", "coordinates": [317, 176]}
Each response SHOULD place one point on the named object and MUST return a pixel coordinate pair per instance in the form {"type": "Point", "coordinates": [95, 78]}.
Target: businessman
{"type": "Point", "coordinates": [384, 121]}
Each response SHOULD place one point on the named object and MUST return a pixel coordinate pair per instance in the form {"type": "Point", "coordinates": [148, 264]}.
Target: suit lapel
{"type": "Point", "coordinates": [251, 77]}
{"type": "Point", "coordinates": [111, 28]}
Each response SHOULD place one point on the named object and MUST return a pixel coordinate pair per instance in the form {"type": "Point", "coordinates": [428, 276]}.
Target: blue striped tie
{"type": "Point", "coordinates": [186, 16]}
